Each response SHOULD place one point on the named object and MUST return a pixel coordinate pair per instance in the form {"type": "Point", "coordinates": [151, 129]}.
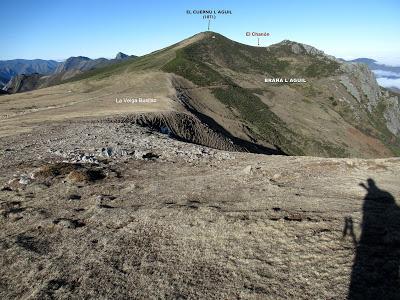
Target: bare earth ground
{"type": "Point", "coordinates": [92, 210]}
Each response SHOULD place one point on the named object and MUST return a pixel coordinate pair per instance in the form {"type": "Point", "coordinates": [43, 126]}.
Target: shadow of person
{"type": "Point", "coordinates": [375, 273]}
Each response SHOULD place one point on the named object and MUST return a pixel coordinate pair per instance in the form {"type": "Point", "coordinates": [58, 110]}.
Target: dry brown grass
{"type": "Point", "coordinates": [53, 170]}
{"type": "Point", "coordinates": [85, 175]}
{"type": "Point", "coordinates": [73, 100]}
{"type": "Point", "coordinates": [77, 176]}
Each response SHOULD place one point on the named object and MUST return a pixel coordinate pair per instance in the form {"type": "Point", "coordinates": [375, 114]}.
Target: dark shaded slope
{"type": "Point", "coordinates": [243, 144]}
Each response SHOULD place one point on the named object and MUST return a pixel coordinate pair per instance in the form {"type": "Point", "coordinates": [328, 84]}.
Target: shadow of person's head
{"type": "Point", "coordinates": [375, 193]}
{"type": "Point", "coordinates": [371, 185]}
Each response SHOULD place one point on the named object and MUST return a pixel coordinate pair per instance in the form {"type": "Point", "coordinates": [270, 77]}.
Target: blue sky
{"type": "Point", "coordinates": [59, 29]}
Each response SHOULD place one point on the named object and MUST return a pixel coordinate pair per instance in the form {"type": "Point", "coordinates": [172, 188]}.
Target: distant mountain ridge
{"type": "Point", "coordinates": [10, 68]}
{"type": "Point", "coordinates": [80, 63]}
{"type": "Point", "coordinates": [374, 65]}
{"type": "Point", "coordinates": [25, 75]}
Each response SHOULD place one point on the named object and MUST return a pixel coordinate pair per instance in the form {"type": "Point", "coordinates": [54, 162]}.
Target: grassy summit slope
{"type": "Point", "coordinates": [234, 73]}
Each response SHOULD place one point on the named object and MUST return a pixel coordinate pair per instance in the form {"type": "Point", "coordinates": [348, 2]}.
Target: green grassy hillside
{"type": "Point", "coordinates": [220, 65]}
{"type": "Point", "coordinates": [201, 63]}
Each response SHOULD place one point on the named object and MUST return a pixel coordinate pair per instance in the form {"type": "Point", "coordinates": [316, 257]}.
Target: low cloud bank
{"type": "Point", "coordinates": [387, 74]}
{"type": "Point", "coordinates": [389, 82]}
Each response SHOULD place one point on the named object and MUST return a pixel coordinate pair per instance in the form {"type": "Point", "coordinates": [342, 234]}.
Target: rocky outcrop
{"type": "Point", "coordinates": [392, 115]}
{"type": "Point", "coordinates": [23, 83]}
{"type": "Point", "coordinates": [361, 83]}
{"type": "Point", "coordinates": [299, 48]}
{"type": "Point", "coordinates": [345, 80]}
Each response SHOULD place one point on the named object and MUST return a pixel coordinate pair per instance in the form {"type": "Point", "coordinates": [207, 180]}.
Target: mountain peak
{"type": "Point", "coordinates": [121, 55]}
{"type": "Point", "coordinates": [364, 60]}
{"type": "Point", "coordinates": [299, 48]}
{"type": "Point", "coordinates": [292, 46]}
{"type": "Point", "coordinates": [77, 63]}
{"type": "Point", "coordinates": [77, 58]}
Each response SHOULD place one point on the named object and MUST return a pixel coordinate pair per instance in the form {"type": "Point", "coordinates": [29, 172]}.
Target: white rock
{"type": "Point", "coordinates": [24, 179]}
{"type": "Point", "coordinates": [248, 170]}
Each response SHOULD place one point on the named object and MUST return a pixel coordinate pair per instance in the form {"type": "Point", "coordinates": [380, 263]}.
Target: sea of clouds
{"type": "Point", "coordinates": [387, 78]}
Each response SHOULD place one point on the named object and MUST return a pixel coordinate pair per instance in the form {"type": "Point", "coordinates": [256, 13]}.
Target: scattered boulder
{"type": "Point", "coordinates": [74, 197]}
{"type": "Point", "coordinates": [67, 223]}
{"type": "Point", "coordinates": [107, 152]}
{"type": "Point", "coordinates": [150, 156]}
{"type": "Point", "coordinates": [86, 158]}
{"type": "Point", "coordinates": [248, 170]}
{"type": "Point", "coordinates": [14, 184]}
{"type": "Point", "coordinates": [24, 179]}
{"type": "Point", "coordinates": [294, 217]}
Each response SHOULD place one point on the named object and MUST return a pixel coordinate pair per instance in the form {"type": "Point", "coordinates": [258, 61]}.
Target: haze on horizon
{"type": "Point", "coordinates": [57, 30]}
